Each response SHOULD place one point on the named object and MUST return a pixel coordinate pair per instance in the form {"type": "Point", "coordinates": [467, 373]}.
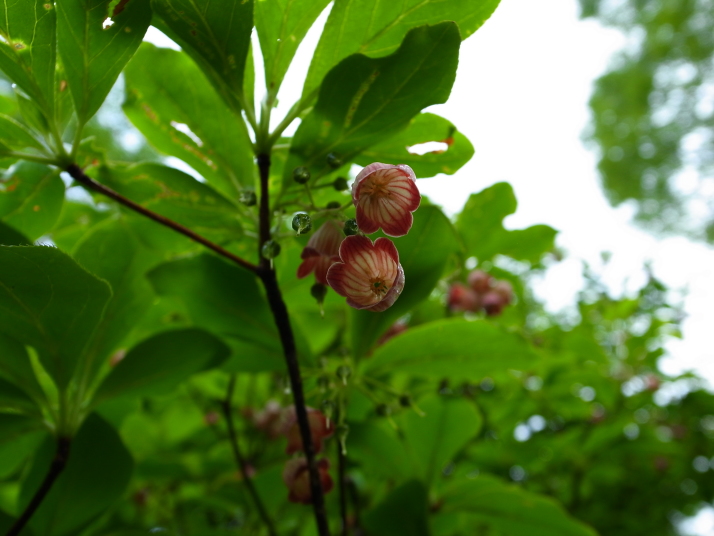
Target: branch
{"type": "Point", "coordinates": [240, 459]}
{"type": "Point", "coordinates": [77, 174]}
{"type": "Point", "coordinates": [287, 339]}
{"type": "Point", "coordinates": [56, 467]}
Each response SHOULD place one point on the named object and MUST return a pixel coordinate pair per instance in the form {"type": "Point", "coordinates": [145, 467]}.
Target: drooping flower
{"type": "Point", "coordinates": [385, 196]}
{"type": "Point", "coordinates": [321, 251]}
{"type": "Point", "coordinates": [461, 298]}
{"type": "Point", "coordinates": [369, 276]}
{"type": "Point", "coordinates": [296, 476]}
{"type": "Point", "coordinates": [320, 428]}
{"type": "Point", "coordinates": [480, 281]}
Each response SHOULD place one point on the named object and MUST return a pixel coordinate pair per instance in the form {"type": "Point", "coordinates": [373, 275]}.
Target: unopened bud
{"type": "Point", "coordinates": [302, 223]}
{"type": "Point", "coordinates": [333, 161]}
{"type": "Point", "coordinates": [340, 184]}
{"type": "Point", "coordinates": [270, 249]}
{"type": "Point", "coordinates": [248, 198]}
{"type": "Point", "coordinates": [323, 382]}
{"type": "Point", "coordinates": [351, 227]}
{"type": "Point", "coordinates": [332, 205]}
{"type": "Point", "coordinates": [301, 175]}
{"type": "Point", "coordinates": [343, 372]}
{"type": "Point", "coordinates": [318, 291]}
{"type": "Point", "coordinates": [342, 431]}
{"type": "Point", "coordinates": [328, 408]}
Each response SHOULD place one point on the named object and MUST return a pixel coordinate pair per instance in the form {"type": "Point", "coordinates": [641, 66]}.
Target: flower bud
{"type": "Point", "coordinates": [333, 205]}
{"type": "Point", "coordinates": [333, 161]}
{"type": "Point", "coordinates": [462, 298]}
{"type": "Point", "coordinates": [248, 197]}
{"type": "Point", "coordinates": [343, 372]}
{"type": "Point", "coordinates": [350, 227]}
{"type": "Point", "coordinates": [270, 249]}
{"type": "Point", "coordinates": [480, 281]}
{"type": "Point", "coordinates": [493, 303]}
{"type": "Point", "coordinates": [302, 223]}
{"type": "Point", "coordinates": [301, 175]}
{"type": "Point", "coordinates": [505, 290]}
{"type": "Point", "coordinates": [340, 184]}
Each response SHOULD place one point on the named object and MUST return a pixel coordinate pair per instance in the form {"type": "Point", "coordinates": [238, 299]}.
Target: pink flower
{"type": "Point", "coordinates": [385, 196]}
{"type": "Point", "coordinates": [462, 298]}
{"type": "Point", "coordinates": [480, 281]}
{"type": "Point", "coordinates": [321, 251]}
{"type": "Point", "coordinates": [320, 428]}
{"type": "Point", "coordinates": [369, 276]}
{"type": "Point", "coordinates": [297, 478]}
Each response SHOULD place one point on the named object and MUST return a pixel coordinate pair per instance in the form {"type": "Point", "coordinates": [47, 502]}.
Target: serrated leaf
{"type": "Point", "coordinates": [157, 365]}
{"type": "Point", "coordinates": [454, 348]}
{"type": "Point", "coordinates": [350, 31]}
{"type": "Point", "coordinates": [215, 34]}
{"type": "Point", "coordinates": [481, 228]}
{"type": "Point", "coordinates": [282, 25]}
{"type": "Point", "coordinates": [97, 473]}
{"type": "Point", "coordinates": [423, 254]}
{"type": "Point", "coordinates": [31, 197]}
{"type": "Point", "coordinates": [47, 301]}
{"type": "Point", "coordinates": [27, 50]}
{"type": "Point", "coordinates": [15, 135]}
{"type": "Point", "coordinates": [187, 119]}
{"type": "Point", "coordinates": [509, 509]}
{"type": "Point", "coordinates": [423, 128]}
{"type": "Point", "coordinates": [94, 53]}
{"type": "Point", "coordinates": [363, 101]}
{"type": "Point", "coordinates": [178, 196]}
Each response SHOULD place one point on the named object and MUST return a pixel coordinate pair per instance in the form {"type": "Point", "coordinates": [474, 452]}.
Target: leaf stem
{"type": "Point", "coordinates": [56, 467]}
{"type": "Point", "coordinates": [267, 274]}
{"type": "Point", "coordinates": [30, 158]}
{"type": "Point", "coordinates": [240, 459]}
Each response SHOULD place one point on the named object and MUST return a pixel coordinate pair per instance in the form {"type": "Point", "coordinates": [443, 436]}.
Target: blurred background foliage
{"type": "Point", "coordinates": [653, 113]}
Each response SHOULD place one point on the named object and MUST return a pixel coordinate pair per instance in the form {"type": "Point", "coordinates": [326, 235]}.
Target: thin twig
{"type": "Point", "coordinates": [240, 459]}
{"type": "Point", "coordinates": [77, 174]}
{"type": "Point", "coordinates": [342, 483]}
{"type": "Point", "coordinates": [56, 467]}
{"type": "Point", "coordinates": [287, 339]}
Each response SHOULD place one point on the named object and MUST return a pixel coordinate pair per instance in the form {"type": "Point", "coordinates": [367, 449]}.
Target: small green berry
{"type": "Point", "coordinates": [302, 223]}
{"type": "Point", "coordinates": [343, 372]}
{"type": "Point", "coordinates": [301, 175]}
{"type": "Point", "coordinates": [248, 198]}
{"type": "Point", "coordinates": [351, 227]}
{"type": "Point", "coordinates": [332, 205]}
{"type": "Point", "coordinates": [333, 161]}
{"type": "Point", "coordinates": [405, 401]}
{"type": "Point", "coordinates": [318, 291]}
{"type": "Point", "coordinates": [340, 184]}
{"type": "Point", "coordinates": [383, 410]}
{"type": "Point", "coordinates": [270, 249]}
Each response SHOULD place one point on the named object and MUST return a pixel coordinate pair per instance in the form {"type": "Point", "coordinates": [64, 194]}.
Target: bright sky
{"type": "Point", "coordinates": [521, 97]}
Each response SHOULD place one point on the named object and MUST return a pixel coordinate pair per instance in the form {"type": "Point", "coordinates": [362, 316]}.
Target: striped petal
{"type": "Point", "coordinates": [321, 251]}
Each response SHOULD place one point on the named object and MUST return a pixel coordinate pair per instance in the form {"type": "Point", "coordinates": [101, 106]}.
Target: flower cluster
{"type": "Point", "coordinates": [482, 293]}
{"type": "Point", "coordinates": [367, 273]}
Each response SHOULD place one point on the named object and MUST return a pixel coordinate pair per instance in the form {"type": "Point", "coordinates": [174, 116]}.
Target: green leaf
{"type": "Point", "coordinates": [363, 101]}
{"type": "Point", "coordinates": [178, 196]}
{"type": "Point", "coordinates": [95, 477]}
{"type": "Point", "coordinates": [75, 220]}
{"type": "Point", "coordinates": [403, 512]}
{"type": "Point", "coordinates": [376, 28]}
{"type": "Point", "coordinates": [186, 119]}
{"type": "Point", "coordinates": [13, 454]}
{"type": "Point", "coordinates": [435, 438]}
{"type": "Point", "coordinates": [480, 225]}
{"type": "Point", "coordinates": [422, 129]}
{"type": "Point", "coordinates": [282, 25]}
{"type": "Point", "coordinates": [15, 366]}
{"type": "Point", "coordinates": [453, 348]}
{"type": "Point", "coordinates": [47, 301]}
{"type": "Point", "coordinates": [15, 135]}
{"type": "Point", "coordinates": [14, 399]}
{"type": "Point", "coordinates": [226, 301]}
{"type": "Point", "coordinates": [13, 427]}
{"type": "Point", "coordinates": [158, 365]}
{"type": "Point", "coordinates": [375, 447]}
{"type": "Point", "coordinates": [509, 509]}
{"type": "Point", "coordinates": [11, 237]}
{"type": "Point", "coordinates": [423, 254]}
{"type": "Point", "coordinates": [7, 521]}
{"type": "Point", "coordinates": [111, 251]}
{"type": "Point", "coordinates": [31, 197]}
{"type": "Point", "coordinates": [93, 55]}
{"type": "Point", "coordinates": [27, 50]}
{"type": "Point", "coordinates": [215, 34]}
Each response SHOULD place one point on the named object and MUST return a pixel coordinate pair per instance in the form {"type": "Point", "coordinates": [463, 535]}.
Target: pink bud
{"type": "Point", "coordinates": [505, 290]}
{"type": "Point", "coordinates": [462, 298]}
{"type": "Point", "coordinates": [480, 281]}
{"type": "Point", "coordinates": [297, 478]}
{"type": "Point", "coordinates": [369, 276]}
{"type": "Point", "coordinates": [385, 196]}
{"type": "Point", "coordinates": [321, 251]}
{"type": "Point", "coordinates": [320, 428]}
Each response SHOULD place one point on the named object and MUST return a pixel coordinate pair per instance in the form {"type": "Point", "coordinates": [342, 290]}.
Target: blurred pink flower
{"type": "Point", "coordinates": [321, 251]}
{"type": "Point", "coordinates": [297, 478]}
{"type": "Point", "coordinates": [369, 276]}
{"type": "Point", "coordinates": [320, 428]}
{"type": "Point", "coordinates": [385, 196]}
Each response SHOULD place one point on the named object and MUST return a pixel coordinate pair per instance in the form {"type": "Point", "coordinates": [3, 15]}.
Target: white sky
{"type": "Point", "coordinates": [521, 96]}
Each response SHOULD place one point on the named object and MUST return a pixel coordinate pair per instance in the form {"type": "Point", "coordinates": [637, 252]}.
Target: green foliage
{"type": "Point", "coordinates": [409, 502]}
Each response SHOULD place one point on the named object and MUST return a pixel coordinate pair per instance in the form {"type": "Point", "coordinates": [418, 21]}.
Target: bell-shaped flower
{"type": "Point", "coordinates": [385, 196]}
{"type": "Point", "coordinates": [321, 251]}
{"type": "Point", "coordinates": [320, 428]}
{"type": "Point", "coordinates": [296, 476]}
{"type": "Point", "coordinates": [369, 276]}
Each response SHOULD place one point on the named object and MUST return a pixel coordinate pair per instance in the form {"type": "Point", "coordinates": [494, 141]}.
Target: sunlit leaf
{"type": "Point", "coordinates": [15, 135]}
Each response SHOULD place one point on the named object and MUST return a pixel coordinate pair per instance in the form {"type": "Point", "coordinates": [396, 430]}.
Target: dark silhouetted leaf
{"type": "Point", "coordinates": [403, 512]}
